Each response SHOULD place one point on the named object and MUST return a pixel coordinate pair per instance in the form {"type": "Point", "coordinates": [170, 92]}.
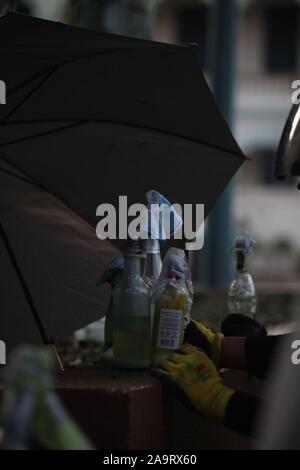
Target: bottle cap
{"type": "Point", "coordinates": [243, 244]}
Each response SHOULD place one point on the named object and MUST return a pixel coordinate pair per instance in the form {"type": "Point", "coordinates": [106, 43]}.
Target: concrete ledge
{"type": "Point", "coordinates": [116, 411]}
{"type": "Point", "coordinates": [121, 411]}
{"type": "Point", "coordinates": [134, 411]}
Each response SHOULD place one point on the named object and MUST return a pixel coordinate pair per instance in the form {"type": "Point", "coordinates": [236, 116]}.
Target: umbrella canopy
{"type": "Point", "coordinates": [91, 116]}
{"type": "Point", "coordinates": [59, 258]}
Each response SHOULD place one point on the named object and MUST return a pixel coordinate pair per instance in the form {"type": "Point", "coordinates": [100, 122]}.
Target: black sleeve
{"type": "Point", "coordinates": [260, 352]}
{"type": "Point", "coordinates": [241, 413]}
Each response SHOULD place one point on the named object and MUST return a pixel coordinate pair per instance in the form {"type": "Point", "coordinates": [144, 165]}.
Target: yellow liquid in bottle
{"type": "Point", "coordinates": [168, 325]}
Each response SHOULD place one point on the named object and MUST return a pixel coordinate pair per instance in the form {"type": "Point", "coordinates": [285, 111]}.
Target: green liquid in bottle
{"type": "Point", "coordinates": [131, 318]}
{"type": "Point", "coordinates": [132, 346]}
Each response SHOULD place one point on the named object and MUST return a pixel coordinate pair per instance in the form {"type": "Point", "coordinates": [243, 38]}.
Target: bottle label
{"type": "Point", "coordinates": [169, 328]}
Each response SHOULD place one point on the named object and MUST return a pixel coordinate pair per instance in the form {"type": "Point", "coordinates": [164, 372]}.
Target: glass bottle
{"type": "Point", "coordinates": [153, 264]}
{"type": "Point", "coordinates": [171, 304]}
{"type": "Point", "coordinates": [242, 297]}
{"type": "Point", "coordinates": [131, 315]}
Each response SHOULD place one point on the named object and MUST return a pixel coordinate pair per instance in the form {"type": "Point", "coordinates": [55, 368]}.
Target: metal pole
{"type": "Point", "coordinates": [221, 72]}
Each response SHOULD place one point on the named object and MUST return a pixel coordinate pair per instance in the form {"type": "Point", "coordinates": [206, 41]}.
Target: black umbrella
{"type": "Point", "coordinates": [50, 263]}
{"type": "Point", "coordinates": [91, 116]}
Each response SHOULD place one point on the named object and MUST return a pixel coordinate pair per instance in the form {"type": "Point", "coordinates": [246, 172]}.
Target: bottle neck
{"type": "Point", "coordinates": [132, 266]}
{"type": "Point", "coordinates": [241, 262]}
{"type": "Point", "coordinates": [151, 246]}
{"type": "Point", "coordinates": [153, 265]}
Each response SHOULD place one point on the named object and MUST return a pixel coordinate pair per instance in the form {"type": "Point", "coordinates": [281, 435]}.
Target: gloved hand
{"type": "Point", "coordinates": [193, 372]}
{"type": "Point", "coordinates": [198, 335]}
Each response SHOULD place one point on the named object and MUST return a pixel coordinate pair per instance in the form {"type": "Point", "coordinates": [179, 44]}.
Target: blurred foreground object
{"type": "Point", "coordinates": [31, 410]}
{"type": "Point", "coordinates": [280, 420]}
{"type": "Point", "coordinates": [288, 154]}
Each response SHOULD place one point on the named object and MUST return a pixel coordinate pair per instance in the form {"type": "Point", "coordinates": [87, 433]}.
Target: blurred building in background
{"type": "Point", "coordinates": [267, 62]}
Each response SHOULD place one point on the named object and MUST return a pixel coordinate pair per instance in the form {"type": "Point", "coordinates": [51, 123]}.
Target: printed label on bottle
{"type": "Point", "coordinates": [169, 328]}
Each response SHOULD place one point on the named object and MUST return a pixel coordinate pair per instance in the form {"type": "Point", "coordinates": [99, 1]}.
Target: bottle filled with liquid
{"type": "Point", "coordinates": [172, 300]}
{"type": "Point", "coordinates": [242, 297]}
{"type": "Point", "coordinates": [131, 315]}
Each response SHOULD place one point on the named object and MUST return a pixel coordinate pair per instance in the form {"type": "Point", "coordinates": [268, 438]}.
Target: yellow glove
{"type": "Point", "coordinates": [201, 337]}
{"type": "Point", "coordinates": [193, 372]}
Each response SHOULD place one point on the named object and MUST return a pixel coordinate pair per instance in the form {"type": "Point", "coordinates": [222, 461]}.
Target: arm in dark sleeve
{"type": "Point", "coordinates": [241, 413]}
{"type": "Point", "coordinates": [260, 352]}
{"type": "Point", "coordinates": [243, 408]}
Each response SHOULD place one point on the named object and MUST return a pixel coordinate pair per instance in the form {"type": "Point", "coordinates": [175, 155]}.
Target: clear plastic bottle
{"type": "Point", "coordinates": [172, 304]}
{"type": "Point", "coordinates": [131, 315]}
{"type": "Point", "coordinates": [242, 297]}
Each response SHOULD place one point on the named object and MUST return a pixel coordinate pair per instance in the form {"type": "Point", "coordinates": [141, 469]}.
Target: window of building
{"type": "Point", "coordinates": [281, 28]}
{"type": "Point", "coordinates": [192, 27]}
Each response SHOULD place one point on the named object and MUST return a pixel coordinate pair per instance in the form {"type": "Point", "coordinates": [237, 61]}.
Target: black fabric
{"type": "Point", "coordinates": [161, 87]}
{"type": "Point", "coordinates": [260, 352]}
{"type": "Point", "coordinates": [239, 325]}
{"type": "Point", "coordinates": [241, 413]}
{"type": "Point", "coordinates": [243, 408]}
{"type": "Point", "coordinates": [31, 46]}
{"type": "Point", "coordinates": [87, 106]}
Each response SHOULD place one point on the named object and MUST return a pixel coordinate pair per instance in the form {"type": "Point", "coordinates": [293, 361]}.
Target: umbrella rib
{"type": "Point", "coordinates": [82, 122]}
{"type": "Point", "coordinates": [49, 74]}
{"type": "Point", "coordinates": [21, 178]}
{"type": "Point", "coordinates": [26, 82]}
{"type": "Point", "coordinates": [44, 188]}
{"type": "Point", "coordinates": [24, 286]}
{"type": "Point", "coordinates": [41, 134]}
{"type": "Point", "coordinates": [86, 57]}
